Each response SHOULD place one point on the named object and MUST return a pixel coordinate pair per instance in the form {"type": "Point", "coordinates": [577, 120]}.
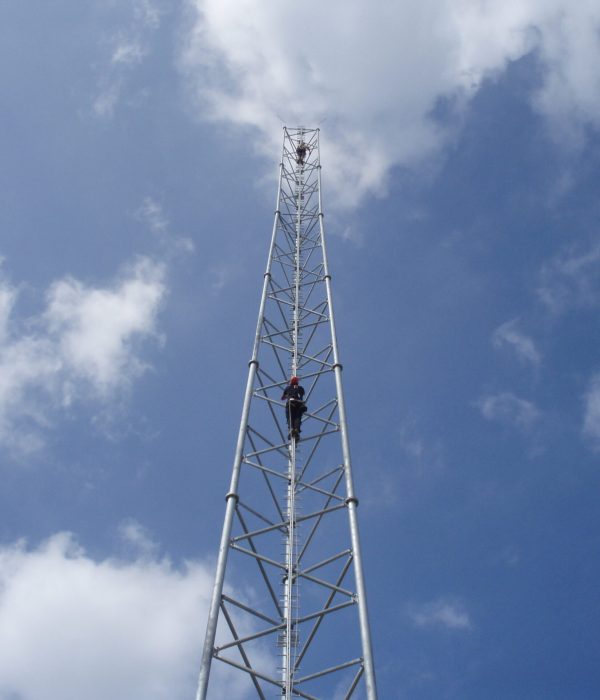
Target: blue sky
{"type": "Point", "coordinates": [460, 153]}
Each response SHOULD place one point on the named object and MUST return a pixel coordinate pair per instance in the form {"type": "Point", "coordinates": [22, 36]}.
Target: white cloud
{"type": "Point", "coordinates": [85, 345]}
{"type": "Point", "coordinates": [571, 280]}
{"type": "Point", "coordinates": [129, 45]}
{"type": "Point", "coordinates": [509, 409]}
{"type": "Point", "coordinates": [149, 12]}
{"type": "Point", "coordinates": [128, 52]}
{"type": "Point", "coordinates": [591, 421]}
{"type": "Point", "coordinates": [95, 329]}
{"type": "Point", "coordinates": [72, 627]}
{"type": "Point", "coordinates": [376, 71]}
{"type": "Point", "coordinates": [410, 440]}
{"type": "Point", "coordinates": [105, 102]}
{"type": "Point", "coordinates": [425, 455]}
{"type": "Point", "coordinates": [570, 50]}
{"type": "Point", "coordinates": [509, 556]}
{"type": "Point", "coordinates": [422, 462]}
{"type": "Point", "coordinates": [152, 214]}
{"type": "Point", "coordinates": [8, 296]}
{"type": "Point", "coordinates": [222, 275]}
{"type": "Point", "coordinates": [509, 335]}
{"type": "Point", "coordinates": [440, 613]}
{"type": "Point", "coordinates": [138, 538]}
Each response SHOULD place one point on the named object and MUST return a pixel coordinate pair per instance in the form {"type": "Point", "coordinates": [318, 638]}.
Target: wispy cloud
{"type": "Point", "coordinates": [591, 420]}
{"type": "Point", "coordinates": [222, 275]}
{"type": "Point", "coordinates": [86, 345]}
{"type": "Point", "coordinates": [152, 214]}
{"type": "Point", "coordinates": [106, 100]}
{"type": "Point", "coordinates": [249, 69]}
{"type": "Point", "coordinates": [148, 12]}
{"type": "Point", "coordinates": [508, 335]}
{"type": "Point", "coordinates": [420, 464]}
{"type": "Point", "coordinates": [128, 52]}
{"type": "Point", "coordinates": [571, 280]}
{"type": "Point", "coordinates": [426, 455]}
{"type": "Point", "coordinates": [509, 409]}
{"type": "Point", "coordinates": [569, 46]}
{"type": "Point", "coordinates": [449, 614]}
{"type": "Point", "coordinates": [138, 538]}
{"type": "Point", "coordinates": [128, 46]}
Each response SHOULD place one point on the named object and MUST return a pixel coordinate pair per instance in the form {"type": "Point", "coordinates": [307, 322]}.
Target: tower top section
{"type": "Point", "coordinates": [300, 147]}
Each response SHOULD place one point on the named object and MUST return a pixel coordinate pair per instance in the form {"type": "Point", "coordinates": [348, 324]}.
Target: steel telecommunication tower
{"type": "Point", "coordinates": [292, 617]}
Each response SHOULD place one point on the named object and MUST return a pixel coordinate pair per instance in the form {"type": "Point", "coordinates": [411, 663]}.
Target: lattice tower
{"type": "Point", "coordinates": [289, 609]}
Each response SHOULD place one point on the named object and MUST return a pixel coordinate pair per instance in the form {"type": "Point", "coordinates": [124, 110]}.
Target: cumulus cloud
{"type": "Point", "coordinates": [95, 329]}
{"type": "Point", "coordinates": [571, 280]}
{"type": "Point", "coordinates": [450, 614]}
{"type": "Point", "coordinates": [72, 627]}
{"type": "Point", "coordinates": [86, 344]}
{"type": "Point", "coordinates": [378, 72]}
{"type": "Point", "coordinates": [591, 421]}
{"type": "Point", "coordinates": [508, 335]}
{"type": "Point", "coordinates": [510, 410]}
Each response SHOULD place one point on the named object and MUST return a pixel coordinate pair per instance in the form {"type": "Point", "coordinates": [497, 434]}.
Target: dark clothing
{"type": "Point", "coordinates": [294, 392]}
{"type": "Point", "coordinates": [301, 153]}
{"type": "Point", "coordinates": [294, 406]}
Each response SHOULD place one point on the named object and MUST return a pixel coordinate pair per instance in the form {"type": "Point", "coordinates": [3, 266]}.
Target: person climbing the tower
{"type": "Point", "coordinates": [301, 151]}
{"type": "Point", "coordinates": [294, 406]}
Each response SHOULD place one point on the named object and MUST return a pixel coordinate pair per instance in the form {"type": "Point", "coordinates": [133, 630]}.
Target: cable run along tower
{"type": "Point", "coordinates": [289, 612]}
